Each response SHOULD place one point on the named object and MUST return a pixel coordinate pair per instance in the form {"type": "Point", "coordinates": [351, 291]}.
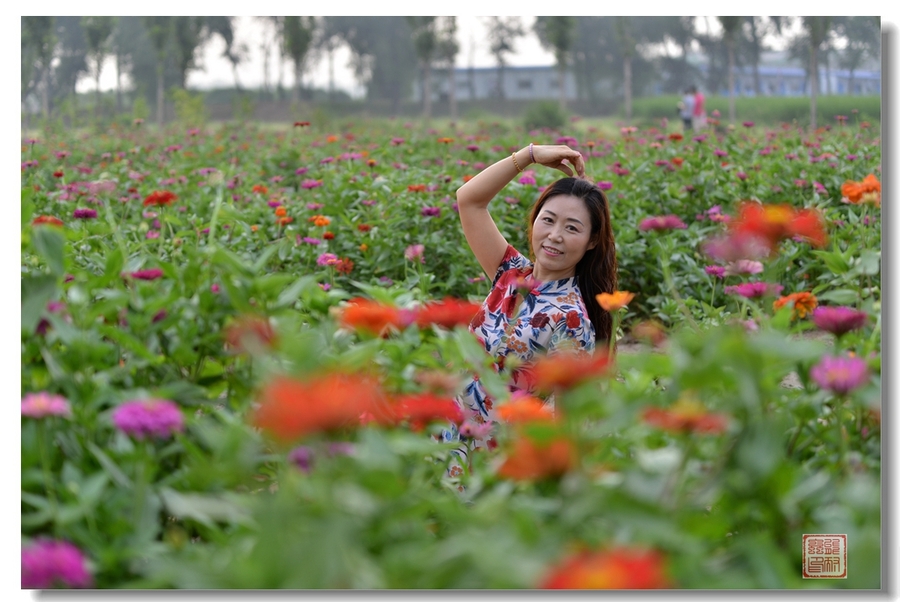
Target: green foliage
{"type": "Point", "coordinates": [545, 114]}
{"type": "Point", "coordinates": [190, 108]}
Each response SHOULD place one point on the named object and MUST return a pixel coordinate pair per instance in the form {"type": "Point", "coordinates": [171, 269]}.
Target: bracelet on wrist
{"type": "Point", "coordinates": [531, 151]}
{"type": "Point", "coordinates": [516, 163]}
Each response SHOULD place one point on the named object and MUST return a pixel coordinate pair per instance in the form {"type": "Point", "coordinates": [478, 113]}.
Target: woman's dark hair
{"type": "Point", "coordinates": [597, 271]}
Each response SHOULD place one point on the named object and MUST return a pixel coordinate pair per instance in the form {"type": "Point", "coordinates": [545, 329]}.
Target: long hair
{"type": "Point", "coordinates": [597, 271]}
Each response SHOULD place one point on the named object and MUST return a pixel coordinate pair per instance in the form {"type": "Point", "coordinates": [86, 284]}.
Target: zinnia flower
{"type": "Point", "coordinates": [715, 270]}
{"type": "Point", "coordinates": [867, 191]}
{"type": "Point", "coordinates": [743, 266]}
{"type": "Point", "coordinates": [418, 410]}
{"type": "Point", "coordinates": [687, 415]}
{"type": "Point", "coordinates": [46, 219]}
{"type": "Point", "coordinates": [369, 316]}
{"type": "Point", "coordinates": [48, 563]}
{"type": "Point", "coordinates": [307, 184]}
{"type": "Point", "coordinates": [566, 370]}
{"type": "Point", "coordinates": [840, 374]}
{"type": "Point", "coordinates": [85, 214]}
{"type": "Point", "coordinates": [158, 418]}
{"type": "Point", "coordinates": [614, 301]}
{"type": "Point", "coordinates": [447, 313]}
{"type": "Point", "coordinates": [326, 259]}
{"type": "Point", "coordinates": [160, 198]}
{"type": "Point", "coordinates": [774, 223]}
{"type": "Point", "coordinates": [803, 303]}
{"type": "Point", "coordinates": [752, 290]}
{"type": "Point", "coordinates": [839, 320]}
{"type": "Point", "coordinates": [43, 404]}
{"type": "Point", "coordinates": [414, 252]}
{"type": "Point", "coordinates": [291, 408]}
{"type": "Point", "coordinates": [255, 330]}
{"type": "Point", "coordinates": [523, 408]}
{"type": "Point", "coordinates": [151, 274]}
{"type": "Point", "coordinates": [528, 459]}
{"type": "Point", "coordinates": [664, 222]}
{"type": "Point", "coordinates": [617, 568]}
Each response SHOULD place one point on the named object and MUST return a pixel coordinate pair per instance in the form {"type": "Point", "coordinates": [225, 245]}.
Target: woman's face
{"type": "Point", "coordinates": [560, 237]}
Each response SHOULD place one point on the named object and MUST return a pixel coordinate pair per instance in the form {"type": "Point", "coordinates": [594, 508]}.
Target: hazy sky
{"type": "Point", "coordinates": [250, 31]}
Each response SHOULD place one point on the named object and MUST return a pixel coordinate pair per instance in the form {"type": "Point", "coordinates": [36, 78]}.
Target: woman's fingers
{"type": "Point", "coordinates": [563, 168]}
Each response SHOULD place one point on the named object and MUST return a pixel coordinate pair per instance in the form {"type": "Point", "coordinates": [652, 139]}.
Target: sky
{"type": "Point", "coordinates": [217, 71]}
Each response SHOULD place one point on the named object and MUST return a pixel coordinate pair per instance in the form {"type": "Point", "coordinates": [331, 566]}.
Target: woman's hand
{"type": "Point", "coordinates": [555, 155]}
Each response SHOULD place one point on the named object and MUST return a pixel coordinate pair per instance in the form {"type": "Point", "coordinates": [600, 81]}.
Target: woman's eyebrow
{"type": "Point", "coordinates": [568, 218]}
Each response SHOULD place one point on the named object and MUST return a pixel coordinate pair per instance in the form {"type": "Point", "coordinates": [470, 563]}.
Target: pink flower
{"type": "Point", "coordinates": [326, 259]}
{"type": "Point", "coordinates": [840, 374]}
{"type": "Point", "coordinates": [604, 185]}
{"type": "Point", "coordinates": [472, 430]}
{"type": "Point", "coordinates": [48, 563]}
{"type": "Point", "coordinates": [748, 124]}
{"type": "Point", "coordinates": [310, 184]}
{"type": "Point", "coordinates": [743, 266]}
{"type": "Point", "coordinates": [839, 320]}
{"type": "Point", "coordinates": [158, 418]}
{"type": "Point", "coordinates": [431, 211]}
{"type": "Point", "coordinates": [752, 290]}
{"type": "Point", "coordinates": [415, 252]}
{"type": "Point", "coordinates": [43, 404]}
{"type": "Point", "coordinates": [151, 274]}
{"type": "Point", "coordinates": [85, 214]}
{"type": "Point", "coordinates": [715, 270]}
{"type": "Point", "coordinates": [664, 222]}
{"type": "Point", "coordinates": [736, 246]}
{"type": "Point", "coordinates": [214, 288]}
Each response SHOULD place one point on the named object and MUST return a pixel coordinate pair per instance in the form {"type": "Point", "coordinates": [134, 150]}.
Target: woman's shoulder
{"type": "Point", "coordinates": [512, 259]}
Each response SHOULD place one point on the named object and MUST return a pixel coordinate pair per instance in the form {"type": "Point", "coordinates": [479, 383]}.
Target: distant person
{"type": "Point", "coordinates": [699, 109]}
{"type": "Point", "coordinates": [686, 109]}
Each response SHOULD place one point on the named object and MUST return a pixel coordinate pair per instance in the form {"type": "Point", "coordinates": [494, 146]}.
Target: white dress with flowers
{"type": "Point", "coordinates": [522, 317]}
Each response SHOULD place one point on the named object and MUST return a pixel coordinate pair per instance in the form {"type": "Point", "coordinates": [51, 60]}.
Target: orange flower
{"type": "Point", "coordinates": [46, 219]}
{"type": "Point", "coordinates": [524, 409]}
{"type": "Point", "coordinates": [291, 408]}
{"type": "Point", "coordinates": [867, 191]}
{"type": "Point", "coordinates": [364, 247]}
{"type": "Point", "coordinates": [331, 138]}
{"type": "Point", "coordinates": [677, 161]}
{"type": "Point", "coordinates": [566, 370]}
{"type": "Point", "coordinates": [319, 220]}
{"type": "Point", "coordinates": [343, 266]}
{"type": "Point", "coordinates": [614, 301]}
{"type": "Point", "coordinates": [371, 162]}
{"type": "Point", "coordinates": [467, 177]}
{"type": "Point", "coordinates": [370, 316]}
{"type": "Point", "coordinates": [418, 410]}
{"type": "Point", "coordinates": [803, 303]}
{"type": "Point", "coordinates": [416, 188]}
{"type": "Point", "coordinates": [253, 330]}
{"type": "Point", "coordinates": [447, 313]}
{"type": "Point", "coordinates": [528, 459]}
{"type": "Point", "coordinates": [260, 189]}
{"type": "Point", "coordinates": [774, 223]}
{"type": "Point", "coordinates": [687, 415]}
{"type": "Point", "coordinates": [160, 198]}
{"type": "Point", "coordinates": [676, 136]}
{"type": "Point", "coordinates": [281, 211]}
{"type": "Point", "coordinates": [617, 568]}
{"type": "Point", "coordinates": [445, 140]}
{"type": "Point", "coordinates": [284, 221]}
{"type": "Point", "coordinates": [254, 228]}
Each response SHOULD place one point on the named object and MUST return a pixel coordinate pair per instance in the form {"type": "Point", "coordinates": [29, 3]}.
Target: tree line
{"type": "Point", "coordinates": [616, 56]}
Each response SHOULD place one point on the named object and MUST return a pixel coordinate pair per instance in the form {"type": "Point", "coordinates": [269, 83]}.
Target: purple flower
{"type": "Point", "coordinates": [472, 147]}
{"type": "Point", "coordinates": [159, 316]}
{"type": "Point", "coordinates": [327, 160]}
{"type": "Point", "coordinates": [839, 320]}
{"type": "Point", "coordinates": [368, 202]}
{"type": "Point", "coordinates": [42, 404]}
{"type": "Point", "coordinates": [752, 290]}
{"type": "Point", "coordinates": [158, 418]}
{"type": "Point", "coordinates": [431, 211]}
{"type": "Point", "coordinates": [840, 374]}
{"type": "Point", "coordinates": [151, 274]}
{"type": "Point", "coordinates": [851, 157]}
{"type": "Point", "coordinates": [527, 180]}
{"type": "Point", "coordinates": [314, 206]}
{"type": "Point", "coordinates": [324, 286]}
{"type": "Point", "coordinates": [273, 203]}
{"type": "Point", "coordinates": [310, 184]}
{"type": "Point", "coordinates": [153, 234]}
{"type": "Point", "coordinates": [511, 200]}
{"type": "Point", "coordinates": [385, 281]}
{"type": "Point", "coordinates": [720, 153]}
{"type": "Point", "coordinates": [85, 213]}
{"type": "Point", "coordinates": [48, 563]}
{"type": "Point", "coordinates": [743, 266]}
{"type": "Point", "coordinates": [302, 458]}
{"type": "Point", "coordinates": [413, 252]}
{"type": "Point", "coordinates": [604, 185]}
{"type": "Point", "coordinates": [664, 222]}
{"type": "Point", "coordinates": [715, 270]}
{"type": "Point", "coordinates": [310, 241]}
{"type": "Point", "coordinates": [741, 175]}
{"type": "Point", "coordinates": [748, 124]}
{"type": "Point", "coordinates": [301, 170]}
{"type": "Point", "coordinates": [397, 141]}
{"type": "Point", "coordinates": [326, 259]}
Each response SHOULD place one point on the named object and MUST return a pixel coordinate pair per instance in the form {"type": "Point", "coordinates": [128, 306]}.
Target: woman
{"type": "Point", "coordinates": [545, 304]}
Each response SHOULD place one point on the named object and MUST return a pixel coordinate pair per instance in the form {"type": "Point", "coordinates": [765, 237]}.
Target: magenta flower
{"type": "Point", "coordinates": [85, 214]}
{"type": "Point", "coordinates": [839, 320]}
{"type": "Point", "coordinates": [736, 246]}
{"type": "Point", "coordinates": [753, 290]}
{"type": "Point", "coordinates": [151, 274]}
{"type": "Point", "coordinates": [326, 259]}
{"type": "Point", "coordinates": [314, 206]}
{"type": "Point", "coordinates": [431, 211]}
{"type": "Point", "coordinates": [472, 430]}
{"type": "Point", "coordinates": [48, 563]}
{"type": "Point", "coordinates": [142, 418]}
{"type": "Point", "coordinates": [840, 375]}
{"type": "Point", "coordinates": [663, 222]}
{"type": "Point", "coordinates": [308, 240]}
{"type": "Point", "coordinates": [604, 185]}
{"type": "Point", "coordinates": [43, 404]}
{"type": "Point", "coordinates": [301, 170]}
{"type": "Point", "coordinates": [414, 252]}
{"type": "Point", "coordinates": [527, 180]}
{"type": "Point", "coordinates": [748, 124]}
{"type": "Point", "coordinates": [397, 141]}
{"type": "Point", "coordinates": [310, 184]}
{"type": "Point", "coordinates": [743, 266]}
{"type": "Point", "coordinates": [214, 288]}
{"type": "Point", "coordinates": [715, 270]}
{"type": "Point", "coordinates": [302, 458]}
{"type": "Point", "coordinates": [720, 153]}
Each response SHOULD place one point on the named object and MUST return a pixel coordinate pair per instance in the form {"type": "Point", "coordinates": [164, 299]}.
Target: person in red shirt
{"type": "Point", "coordinates": [699, 109]}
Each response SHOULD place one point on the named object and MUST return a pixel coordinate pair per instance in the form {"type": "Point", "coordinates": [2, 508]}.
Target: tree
{"type": "Point", "coordinates": [97, 33]}
{"type": "Point", "coordinates": [235, 53]}
{"type": "Point", "coordinates": [424, 37]}
{"type": "Point", "coordinates": [862, 37]}
{"type": "Point", "coordinates": [448, 48]}
{"type": "Point", "coordinates": [297, 37]}
{"type": "Point", "coordinates": [190, 34]}
{"type": "Point", "coordinates": [326, 42]}
{"type": "Point", "coordinates": [160, 31]}
{"type": "Point", "coordinates": [730, 28]}
{"type": "Point", "coordinates": [817, 31]}
{"type": "Point", "coordinates": [502, 33]}
{"type": "Point", "coordinates": [625, 37]}
{"type": "Point", "coordinates": [38, 34]}
{"type": "Point", "coordinates": [557, 34]}
{"type": "Point", "coordinates": [755, 29]}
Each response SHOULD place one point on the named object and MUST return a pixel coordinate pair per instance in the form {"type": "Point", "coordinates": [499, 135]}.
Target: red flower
{"type": "Point", "coordinates": [573, 320]}
{"type": "Point", "coordinates": [301, 124]}
{"type": "Point", "coordinates": [370, 316]}
{"type": "Point", "coordinates": [255, 330]}
{"type": "Point", "coordinates": [151, 274]}
{"type": "Point", "coordinates": [774, 223]}
{"type": "Point", "coordinates": [418, 410]}
{"type": "Point", "coordinates": [566, 370]}
{"type": "Point", "coordinates": [686, 416]}
{"type": "Point", "coordinates": [523, 410]}
{"type": "Point", "coordinates": [291, 408]}
{"type": "Point", "coordinates": [260, 189]}
{"type": "Point", "coordinates": [58, 174]}
{"type": "Point", "coordinates": [328, 235]}
{"type": "Point", "coordinates": [159, 198]}
{"type": "Point", "coordinates": [618, 568]}
{"type": "Point", "coordinates": [416, 188]}
{"type": "Point", "coordinates": [528, 459]}
{"type": "Point", "coordinates": [539, 320]}
{"type": "Point", "coordinates": [344, 266]}
{"type": "Point", "coordinates": [46, 219]}
{"type": "Point", "coordinates": [364, 227]}
{"type": "Point", "coordinates": [447, 313]}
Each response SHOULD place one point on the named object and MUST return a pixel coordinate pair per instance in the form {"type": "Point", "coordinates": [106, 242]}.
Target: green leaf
{"type": "Point", "coordinates": [49, 242]}
{"type": "Point", "coordinates": [290, 295]}
{"type": "Point", "coordinates": [115, 473]}
{"type": "Point", "coordinates": [206, 509]}
{"type": "Point", "coordinates": [835, 261]}
{"type": "Point", "coordinates": [36, 292]}
{"type": "Point", "coordinates": [841, 296]}
{"type": "Point", "coordinates": [126, 340]}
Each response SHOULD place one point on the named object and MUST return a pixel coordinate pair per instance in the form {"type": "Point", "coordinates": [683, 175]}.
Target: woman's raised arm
{"type": "Point", "coordinates": [473, 197]}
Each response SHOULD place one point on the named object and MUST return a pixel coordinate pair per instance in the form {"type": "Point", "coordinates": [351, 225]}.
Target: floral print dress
{"type": "Point", "coordinates": [523, 317]}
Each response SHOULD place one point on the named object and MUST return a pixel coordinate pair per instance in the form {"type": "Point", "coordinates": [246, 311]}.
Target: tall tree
{"type": "Point", "coordinates": [297, 38]}
{"type": "Point", "coordinates": [41, 40]}
{"type": "Point", "coordinates": [862, 37]}
{"type": "Point", "coordinates": [626, 41]}
{"type": "Point", "coordinates": [502, 33]}
{"type": "Point", "coordinates": [424, 37]}
{"type": "Point", "coordinates": [326, 42]}
{"type": "Point", "coordinates": [730, 29]}
{"type": "Point", "coordinates": [190, 34]}
{"type": "Point", "coordinates": [97, 33]}
{"type": "Point", "coordinates": [557, 34]}
{"type": "Point", "coordinates": [160, 31]}
{"type": "Point", "coordinates": [755, 30]}
{"type": "Point", "coordinates": [235, 52]}
{"type": "Point", "coordinates": [448, 48]}
{"type": "Point", "coordinates": [817, 31]}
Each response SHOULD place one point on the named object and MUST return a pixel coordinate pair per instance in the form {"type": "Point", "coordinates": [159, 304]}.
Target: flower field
{"type": "Point", "coordinates": [240, 343]}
